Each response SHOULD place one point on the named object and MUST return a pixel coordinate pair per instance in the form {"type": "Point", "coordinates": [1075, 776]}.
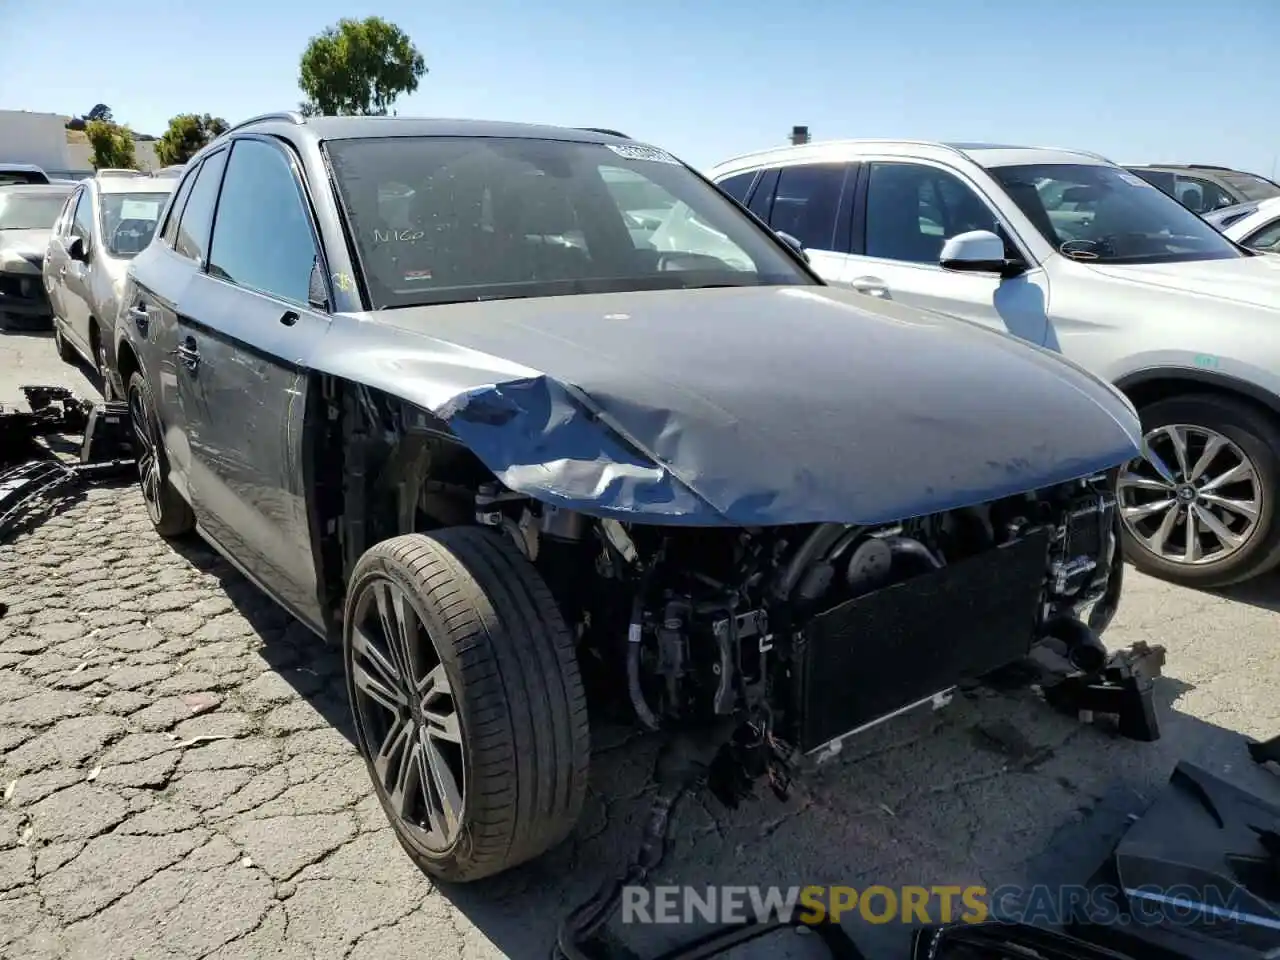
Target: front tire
{"type": "Point", "coordinates": [468, 704]}
{"type": "Point", "coordinates": [1203, 513]}
{"type": "Point", "coordinates": [170, 514]}
{"type": "Point", "coordinates": [66, 353]}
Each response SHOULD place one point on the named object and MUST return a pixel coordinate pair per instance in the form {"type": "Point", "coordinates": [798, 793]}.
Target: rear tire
{"type": "Point", "coordinates": [1245, 435]}
{"type": "Point", "coordinates": [481, 626]}
{"type": "Point", "coordinates": [100, 362]}
{"type": "Point", "coordinates": [170, 514]}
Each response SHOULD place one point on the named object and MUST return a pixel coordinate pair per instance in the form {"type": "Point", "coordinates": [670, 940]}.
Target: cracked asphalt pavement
{"type": "Point", "coordinates": [178, 778]}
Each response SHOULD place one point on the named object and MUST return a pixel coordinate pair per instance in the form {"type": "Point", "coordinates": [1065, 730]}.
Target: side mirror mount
{"type": "Point", "coordinates": [793, 243]}
{"type": "Point", "coordinates": [77, 250]}
{"type": "Point", "coordinates": [979, 251]}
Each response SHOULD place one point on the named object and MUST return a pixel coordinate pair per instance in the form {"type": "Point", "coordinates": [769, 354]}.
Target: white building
{"type": "Point", "coordinates": [43, 139]}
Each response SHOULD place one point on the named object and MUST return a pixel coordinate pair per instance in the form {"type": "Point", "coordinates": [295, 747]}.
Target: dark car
{"type": "Point", "coordinates": [22, 173]}
{"type": "Point", "coordinates": [28, 214]}
{"type": "Point", "coordinates": [422, 383]}
{"type": "Point", "coordinates": [1203, 188]}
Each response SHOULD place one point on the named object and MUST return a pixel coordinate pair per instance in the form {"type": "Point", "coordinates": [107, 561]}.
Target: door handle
{"type": "Point", "coordinates": [138, 314]}
{"type": "Point", "coordinates": [871, 286]}
{"type": "Point", "coordinates": [289, 318]}
{"type": "Point", "coordinates": [189, 354]}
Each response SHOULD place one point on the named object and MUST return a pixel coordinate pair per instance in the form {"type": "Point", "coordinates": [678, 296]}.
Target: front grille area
{"type": "Point", "coordinates": [875, 654]}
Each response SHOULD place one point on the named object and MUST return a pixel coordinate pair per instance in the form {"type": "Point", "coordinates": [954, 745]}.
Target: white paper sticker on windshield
{"type": "Point", "coordinates": [637, 151]}
{"type": "Point", "coordinates": [1134, 180]}
{"type": "Point", "coordinates": [139, 209]}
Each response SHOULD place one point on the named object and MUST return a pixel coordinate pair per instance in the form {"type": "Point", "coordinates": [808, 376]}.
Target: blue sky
{"type": "Point", "coordinates": [1137, 80]}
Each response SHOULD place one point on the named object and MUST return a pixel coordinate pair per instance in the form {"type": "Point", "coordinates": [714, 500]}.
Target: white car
{"type": "Point", "coordinates": [1074, 253]}
{"type": "Point", "coordinates": [1259, 230]}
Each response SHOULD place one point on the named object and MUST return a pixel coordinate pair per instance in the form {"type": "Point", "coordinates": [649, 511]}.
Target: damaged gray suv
{"type": "Point", "coordinates": [429, 386]}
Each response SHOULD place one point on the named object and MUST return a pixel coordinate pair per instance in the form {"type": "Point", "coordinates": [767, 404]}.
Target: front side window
{"type": "Point", "coordinates": [805, 203]}
{"type": "Point", "coordinates": [197, 215]}
{"type": "Point", "coordinates": [1266, 239]}
{"type": "Point", "coordinates": [1099, 213]}
{"type": "Point", "coordinates": [30, 211]}
{"type": "Point", "coordinates": [82, 219]}
{"type": "Point", "coordinates": [262, 237]}
{"type": "Point", "coordinates": [511, 217]}
{"type": "Point", "coordinates": [1200, 196]}
{"type": "Point", "coordinates": [129, 221]}
{"type": "Point", "coordinates": [913, 209]}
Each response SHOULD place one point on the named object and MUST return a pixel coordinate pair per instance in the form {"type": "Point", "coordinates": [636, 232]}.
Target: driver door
{"type": "Point", "coordinates": [56, 254]}
{"type": "Point", "coordinates": [908, 211]}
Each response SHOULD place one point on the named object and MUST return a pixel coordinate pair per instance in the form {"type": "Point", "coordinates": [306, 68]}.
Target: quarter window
{"type": "Point", "coordinates": [197, 215]}
{"type": "Point", "coordinates": [806, 202]}
{"type": "Point", "coordinates": [912, 209]}
{"type": "Point", "coordinates": [262, 238]}
{"type": "Point", "coordinates": [170, 234]}
{"type": "Point", "coordinates": [738, 185]}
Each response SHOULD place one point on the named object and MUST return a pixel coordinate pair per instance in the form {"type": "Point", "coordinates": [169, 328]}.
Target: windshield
{"type": "Point", "coordinates": [1250, 186]}
{"type": "Point", "coordinates": [449, 219]}
{"type": "Point", "coordinates": [1105, 214]}
{"type": "Point", "coordinates": [129, 221]}
{"type": "Point", "coordinates": [30, 211]}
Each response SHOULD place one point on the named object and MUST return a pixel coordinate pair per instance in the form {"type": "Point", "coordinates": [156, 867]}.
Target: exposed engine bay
{"type": "Point", "coordinates": [784, 638]}
{"type": "Point", "coordinates": [817, 631]}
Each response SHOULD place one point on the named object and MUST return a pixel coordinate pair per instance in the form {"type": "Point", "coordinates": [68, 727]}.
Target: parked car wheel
{"type": "Point", "coordinates": [66, 352]}
{"type": "Point", "coordinates": [467, 700]}
{"type": "Point", "coordinates": [1201, 509]}
{"type": "Point", "coordinates": [103, 370]}
{"type": "Point", "coordinates": [169, 512]}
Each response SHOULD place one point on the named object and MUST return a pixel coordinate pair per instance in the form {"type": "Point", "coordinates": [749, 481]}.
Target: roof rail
{"type": "Point", "coordinates": [607, 132]}
{"type": "Point", "coordinates": [290, 116]}
{"type": "Point", "coordinates": [119, 172]}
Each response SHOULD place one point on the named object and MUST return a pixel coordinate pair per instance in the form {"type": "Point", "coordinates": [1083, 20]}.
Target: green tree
{"type": "Point", "coordinates": [187, 134]}
{"type": "Point", "coordinates": [112, 145]}
{"type": "Point", "coordinates": [359, 67]}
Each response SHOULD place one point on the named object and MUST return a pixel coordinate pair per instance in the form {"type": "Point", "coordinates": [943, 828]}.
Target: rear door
{"type": "Point", "coordinates": [907, 210]}
{"type": "Point", "coordinates": [247, 326]}
{"type": "Point", "coordinates": [151, 310]}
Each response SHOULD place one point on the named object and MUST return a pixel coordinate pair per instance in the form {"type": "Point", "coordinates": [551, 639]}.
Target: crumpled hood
{"type": "Point", "coordinates": [1251, 280]}
{"type": "Point", "coordinates": [750, 406]}
{"type": "Point", "coordinates": [25, 243]}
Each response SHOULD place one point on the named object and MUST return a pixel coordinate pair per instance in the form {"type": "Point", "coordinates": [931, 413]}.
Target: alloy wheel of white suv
{"type": "Point", "coordinates": [1201, 508]}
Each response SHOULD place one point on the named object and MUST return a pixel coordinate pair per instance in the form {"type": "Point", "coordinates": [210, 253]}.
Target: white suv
{"type": "Point", "coordinates": [1074, 253]}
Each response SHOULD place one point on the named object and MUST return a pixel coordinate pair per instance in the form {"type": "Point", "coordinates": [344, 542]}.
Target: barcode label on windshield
{"type": "Point", "coordinates": [636, 151]}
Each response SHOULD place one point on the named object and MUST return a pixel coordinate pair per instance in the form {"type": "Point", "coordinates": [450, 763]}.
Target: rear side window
{"type": "Point", "coordinates": [806, 202]}
{"type": "Point", "coordinates": [170, 234]}
{"type": "Point", "coordinates": [197, 215]}
{"type": "Point", "coordinates": [262, 238]}
{"type": "Point", "coordinates": [738, 186]}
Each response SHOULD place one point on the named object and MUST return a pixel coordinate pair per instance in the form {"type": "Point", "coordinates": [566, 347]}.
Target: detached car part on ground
{"type": "Point", "coordinates": [1076, 254]}
{"type": "Point", "coordinates": [421, 383]}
